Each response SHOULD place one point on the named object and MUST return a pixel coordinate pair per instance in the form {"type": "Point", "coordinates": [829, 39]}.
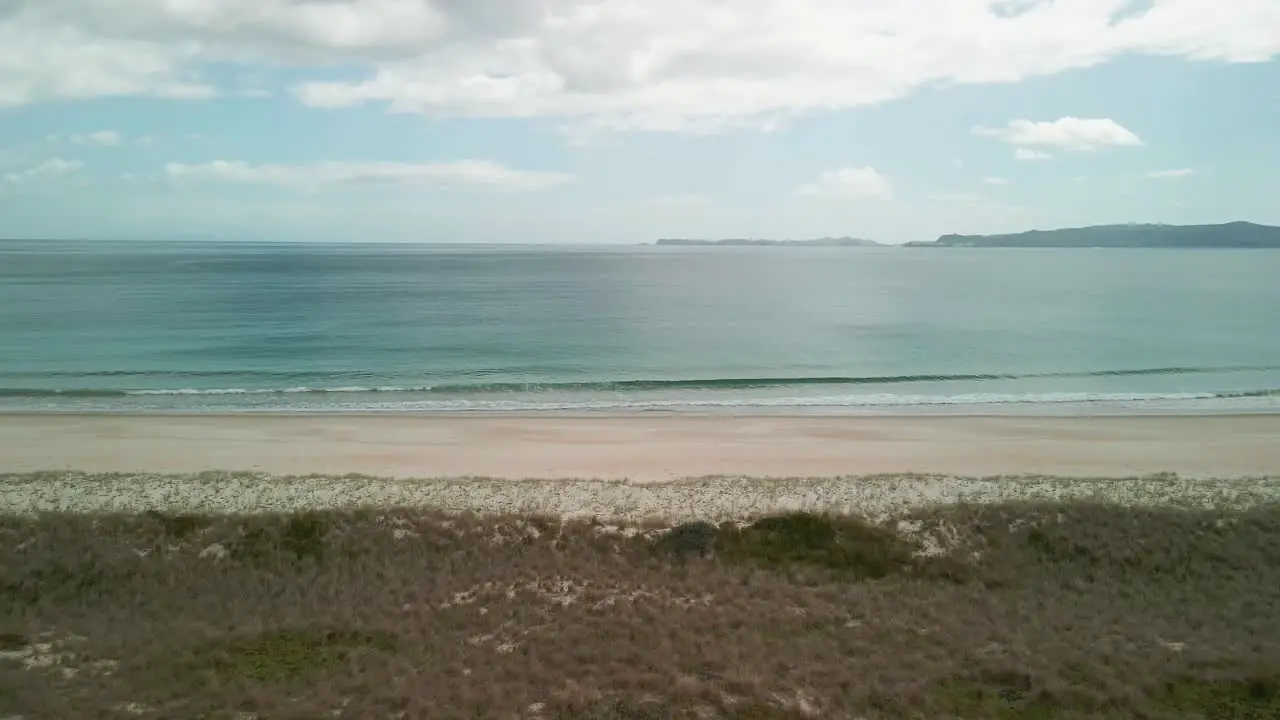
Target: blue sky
{"type": "Point", "coordinates": [621, 121]}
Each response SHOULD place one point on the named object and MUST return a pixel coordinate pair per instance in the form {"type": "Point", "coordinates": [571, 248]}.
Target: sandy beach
{"type": "Point", "coordinates": [642, 450]}
{"type": "Point", "coordinates": [627, 467]}
{"type": "Point", "coordinates": [145, 581]}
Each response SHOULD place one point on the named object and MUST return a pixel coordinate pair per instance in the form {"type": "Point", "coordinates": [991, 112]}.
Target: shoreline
{"type": "Point", "coordinates": [1011, 411]}
{"type": "Point", "coordinates": [643, 448]}
{"type": "Point", "coordinates": [1243, 403]}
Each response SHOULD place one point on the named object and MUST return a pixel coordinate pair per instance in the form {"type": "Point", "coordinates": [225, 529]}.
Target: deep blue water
{"type": "Point", "coordinates": [202, 326]}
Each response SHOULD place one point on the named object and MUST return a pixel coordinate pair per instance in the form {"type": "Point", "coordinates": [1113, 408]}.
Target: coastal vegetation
{"type": "Point", "coordinates": [1131, 235]}
{"type": "Point", "coordinates": [1238, 234]}
{"type": "Point", "coordinates": [1033, 609]}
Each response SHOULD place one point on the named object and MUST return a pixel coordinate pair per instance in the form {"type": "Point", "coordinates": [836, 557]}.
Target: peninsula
{"type": "Point", "coordinates": [1227, 235]}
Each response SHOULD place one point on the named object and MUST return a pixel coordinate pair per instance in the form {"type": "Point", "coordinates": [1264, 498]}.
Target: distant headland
{"type": "Point", "coordinates": [1238, 234]}
{"type": "Point", "coordinates": [1226, 235]}
{"type": "Point", "coordinates": [820, 242]}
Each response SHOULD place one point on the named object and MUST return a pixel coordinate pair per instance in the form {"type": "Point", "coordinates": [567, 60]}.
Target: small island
{"type": "Point", "coordinates": [1226, 235]}
{"type": "Point", "coordinates": [820, 242]}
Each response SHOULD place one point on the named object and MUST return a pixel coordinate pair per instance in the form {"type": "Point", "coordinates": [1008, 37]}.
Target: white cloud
{"type": "Point", "coordinates": [40, 62]}
{"type": "Point", "coordinates": [994, 180]}
{"type": "Point", "coordinates": [1171, 174]}
{"type": "Point", "coordinates": [687, 65]}
{"type": "Point", "coordinates": [686, 200]}
{"type": "Point", "coordinates": [1068, 133]}
{"type": "Point", "coordinates": [854, 183]}
{"type": "Point", "coordinates": [102, 138]}
{"type": "Point", "coordinates": [51, 169]}
{"type": "Point", "coordinates": [955, 197]}
{"type": "Point", "coordinates": [1029, 155]}
{"type": "Point", "coordinates": [462, 173]}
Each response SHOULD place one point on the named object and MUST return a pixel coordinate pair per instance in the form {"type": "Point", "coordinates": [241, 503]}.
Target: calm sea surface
{"type": "Point", "coordinates": [248, 327]}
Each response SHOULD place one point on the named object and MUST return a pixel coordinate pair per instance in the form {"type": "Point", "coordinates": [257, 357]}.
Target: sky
{"type": "Point", "coordinates": [623, 121]}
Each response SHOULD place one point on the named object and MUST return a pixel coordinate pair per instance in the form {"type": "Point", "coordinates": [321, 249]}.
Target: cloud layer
{"type": "Point", "coordinates": [463, 173]}
{"type": "Point", "coordinates": [50, 169]}
{"type": "Point", "coordinates": [1176, 174]}
{"type": "Point", "coordinates": [1029, 155]}
{"type": "Point", "coordinates": [671, 65]}
{"type": "Point", "coordinates": [103, 138]}
{"type": "Point", "coordinates": [854, 183]}
{"type": "Point", "coordinates": [1068, 133]}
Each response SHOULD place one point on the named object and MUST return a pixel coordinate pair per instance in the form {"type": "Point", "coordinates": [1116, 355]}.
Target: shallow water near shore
{"type": "Point", "coordinates": [252, 327]}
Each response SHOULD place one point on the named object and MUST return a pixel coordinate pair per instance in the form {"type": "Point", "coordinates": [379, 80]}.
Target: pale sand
{"type": "Point", "coordinates": [643, 449]}
{"type": "Point", "coordinates": [1220, 460]}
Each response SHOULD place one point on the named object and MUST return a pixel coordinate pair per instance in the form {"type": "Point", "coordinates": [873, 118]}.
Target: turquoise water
{"type": "Point", "coordinates": [358, 327]}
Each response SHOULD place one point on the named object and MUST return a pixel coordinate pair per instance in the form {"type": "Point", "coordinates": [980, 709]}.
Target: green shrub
{"type": "Point", "coordinates": [1252, 698]}
{"type": "Point", "coordinates": [178, 526]}
{"type": "Point", "coordinates": [689, 538]}
{"type": "Point", "coordinates": [844, 544]}
{"type": "Point", "coordinates": [289, 653]}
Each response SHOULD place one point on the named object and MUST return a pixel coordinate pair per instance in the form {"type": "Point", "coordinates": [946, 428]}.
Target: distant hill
{"type": "Point", "coordinates": [1228, 235]}
{"type": "Point", "coordinates": [820, 242]}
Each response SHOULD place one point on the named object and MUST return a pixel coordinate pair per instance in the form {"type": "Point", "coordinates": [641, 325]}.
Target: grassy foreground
{"type": "Point", "coordinates": [990, 611]}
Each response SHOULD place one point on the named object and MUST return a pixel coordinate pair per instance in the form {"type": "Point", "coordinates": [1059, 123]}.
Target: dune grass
{"type": "Point", "coordinates": [1008, 611]}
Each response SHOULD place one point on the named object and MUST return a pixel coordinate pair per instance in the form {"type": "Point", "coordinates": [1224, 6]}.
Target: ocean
{"type": "Point", "coordinates": [252, 327]}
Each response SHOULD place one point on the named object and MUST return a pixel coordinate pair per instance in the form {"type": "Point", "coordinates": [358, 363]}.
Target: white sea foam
{"type": "Point", "coordinates": [278, 391]}
{"type": "Point", "coordinates": [703, 400]}
{"type": "Point", "coordinates": [831, 401]}
{"type": "Point", "coordinates": [427, 400]}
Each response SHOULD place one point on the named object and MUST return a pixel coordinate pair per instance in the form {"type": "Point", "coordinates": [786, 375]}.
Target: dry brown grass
{"type": "Point", "coordinates": [1003, 611]}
